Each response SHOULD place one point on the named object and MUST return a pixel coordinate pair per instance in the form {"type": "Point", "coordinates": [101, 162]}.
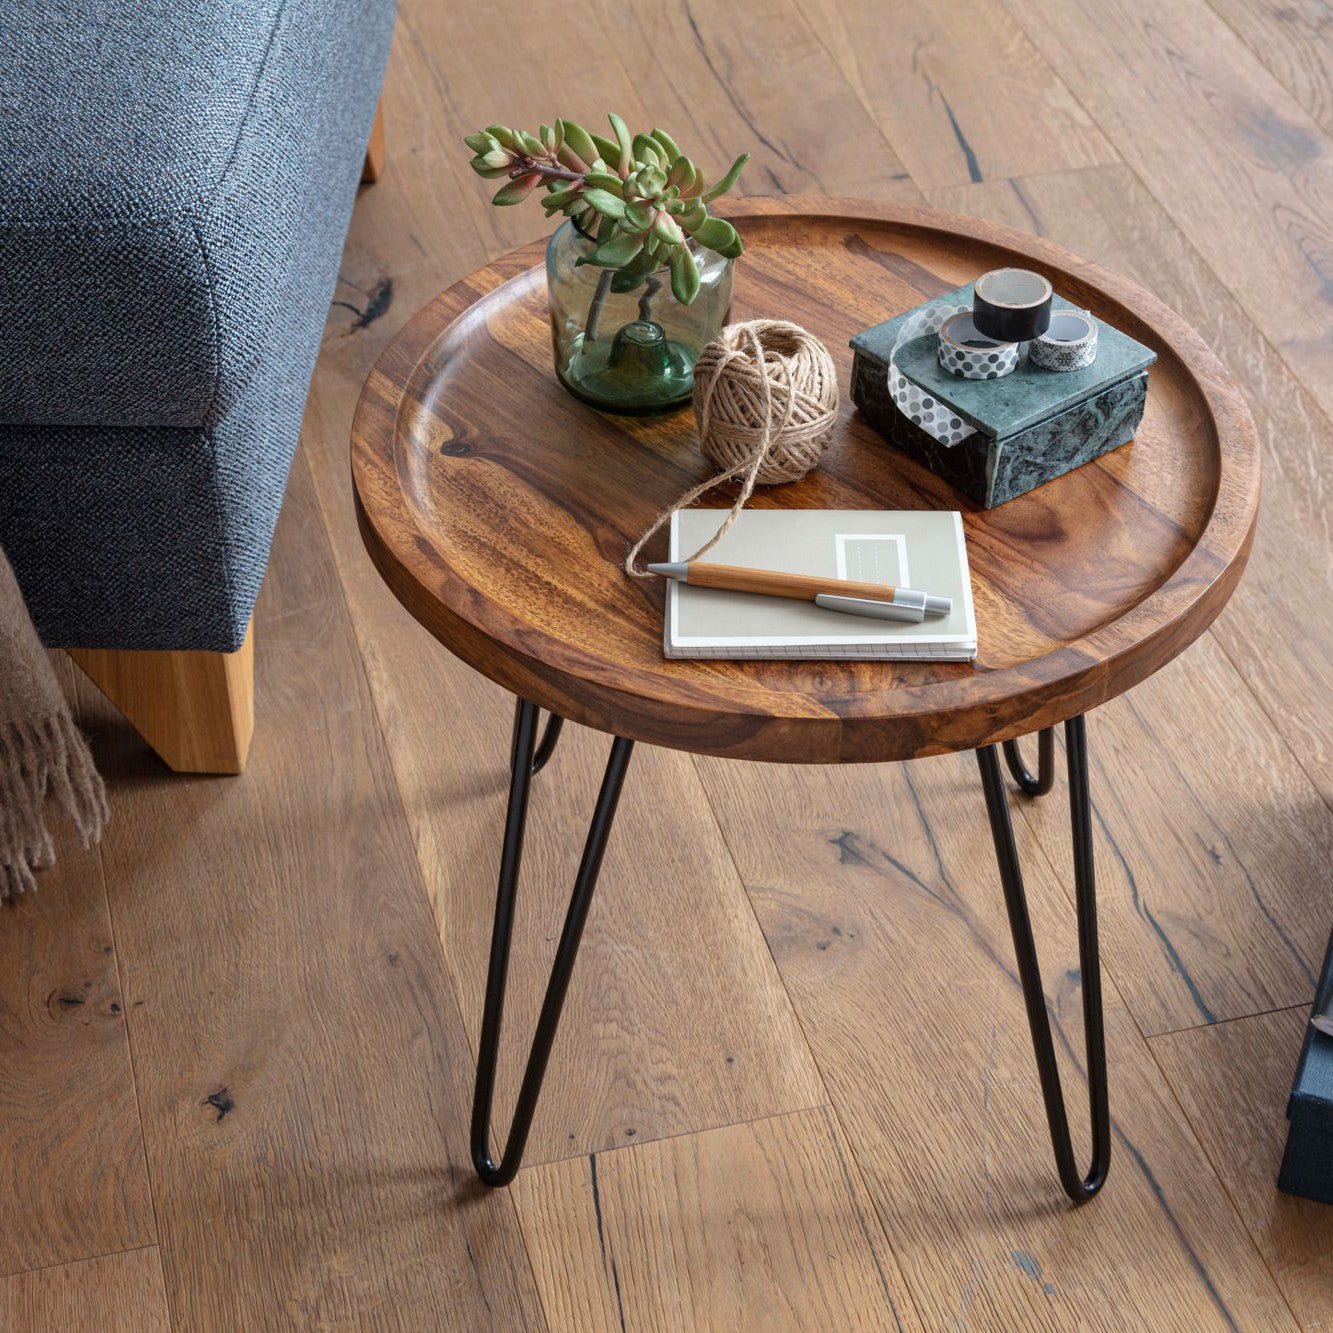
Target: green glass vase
{"type": "Point", "coordinates": [629, 346]}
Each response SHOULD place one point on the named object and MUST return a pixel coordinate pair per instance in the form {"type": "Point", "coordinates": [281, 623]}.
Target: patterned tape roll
{"type": "Point", "coordinates": [915, 403]}
{"type": "Point", "coordinates": [1069, 344]}
{"type": "Point", "coordinates": [967, 352]}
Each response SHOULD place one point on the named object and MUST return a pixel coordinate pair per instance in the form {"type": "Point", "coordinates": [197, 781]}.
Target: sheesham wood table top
{"type": "Point", "coordinates": [499, 508]}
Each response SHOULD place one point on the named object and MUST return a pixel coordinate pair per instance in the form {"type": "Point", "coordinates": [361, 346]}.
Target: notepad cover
{"type": "Point", "coordinates": [907, 548]}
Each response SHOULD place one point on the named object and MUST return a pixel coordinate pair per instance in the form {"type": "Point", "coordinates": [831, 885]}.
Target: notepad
{"type": "Point", "coordinates": [901, 548]}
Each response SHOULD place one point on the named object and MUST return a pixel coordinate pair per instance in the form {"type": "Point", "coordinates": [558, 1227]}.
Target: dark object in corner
{"type": "Point", "coordinates": [1307, 1165]}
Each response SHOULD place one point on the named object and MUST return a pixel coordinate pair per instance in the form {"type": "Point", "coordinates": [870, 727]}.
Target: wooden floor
{"type": "Point", "coordinates": [793, 1088]}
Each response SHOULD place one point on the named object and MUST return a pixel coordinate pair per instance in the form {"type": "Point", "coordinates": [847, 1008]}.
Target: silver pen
{"type": "Point", "coordinates": [879, 601]}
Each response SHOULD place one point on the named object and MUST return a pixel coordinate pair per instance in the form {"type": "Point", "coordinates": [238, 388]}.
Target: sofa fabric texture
{"type": "Point", "coordinates": [179, 178]}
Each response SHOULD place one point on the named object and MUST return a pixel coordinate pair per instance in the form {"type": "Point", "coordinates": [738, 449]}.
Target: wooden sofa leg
{"type": "Point", "coordinates": [374, 163]}
{"type": "Point", "coordinates": [197, 710]}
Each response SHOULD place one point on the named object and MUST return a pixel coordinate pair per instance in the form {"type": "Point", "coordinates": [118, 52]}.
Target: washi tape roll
{"type": "Point", "coordinates": [1069, 344]}
{"type": "Point", "coordinates": [1012, 305]}
{"type": "Point", "coordinates": [921, 408]}
{"type": "Point", "coordinates": [964, 350]}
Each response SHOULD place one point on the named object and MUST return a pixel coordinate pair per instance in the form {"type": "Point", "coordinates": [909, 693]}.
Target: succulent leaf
{"type": "Point", "coordinates": [639, 216]}
{"type": "Point", "coordinates": [615, 253]}
{"type": "Point", "coordinates": [517, 189]}
{"type": "Point", "coordinates": [606, 203]}
{"type": "Point", "coordinates": [684, 275]}
{"type": "Point", "coordinates": [727, 181]}
{"type": "Point", "coordinates": [604, 180]}
{"type": "Point", "coordinates": [578, 140]}
{"type": "Point", "coordinates": [668, 143]}
{"type": "Point", "coordinates": [626, 159]}
{"type": "Point", "coordinates": [648, 150]}
{"type": "Point", "coordinates": [481, 142]}
{"type": "Point", "coordinates": [503, 135]}
{"type": "Point", "coordinates": [666, 228]}
{"type": "Point", "coordinates": [718, 234]}
{"type": "Point", "coordinates": [681, 173]}
{"type": "Point", "coordinates": [608, 151]}
{"type": "Point", "coordinates": [563, 197]}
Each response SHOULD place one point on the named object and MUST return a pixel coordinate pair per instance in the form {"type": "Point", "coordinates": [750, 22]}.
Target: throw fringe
{"type": "Point", "coordinates": [48, 759]}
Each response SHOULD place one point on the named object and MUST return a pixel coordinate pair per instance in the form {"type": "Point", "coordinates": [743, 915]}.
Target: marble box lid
{"type": "Point", "coordinates": [1029, 395]}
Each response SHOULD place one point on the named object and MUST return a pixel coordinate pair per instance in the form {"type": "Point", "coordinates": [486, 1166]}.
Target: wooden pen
{"type": "Point", "coordinates": [878, 600]}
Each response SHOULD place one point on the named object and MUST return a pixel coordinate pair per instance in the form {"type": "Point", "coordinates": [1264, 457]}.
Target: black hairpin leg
{"type": "Point", "coordinates": [1027, 784]}
{"type": "Point", "coordinates": [1079, 1188]}
{"type": "Point", "coordinates": [527, 758]}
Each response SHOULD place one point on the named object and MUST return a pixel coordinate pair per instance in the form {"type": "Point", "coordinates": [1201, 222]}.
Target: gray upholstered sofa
{"type": "Point", "coordinates": [176, 179]}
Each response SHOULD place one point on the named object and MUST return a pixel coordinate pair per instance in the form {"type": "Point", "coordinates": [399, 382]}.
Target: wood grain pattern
{"type": "Point", "coordinates": [73, 1181]}
{"type": "Point", "coordinates": [960, 98]}
{"type": "Point", "coordinates": [1294, 40]}
{"type": "Point", "coordinates": [197, 710]}
{"type": "Point", "coordinates": [1253, 191]}
{"type": "Point", "coordinates": [441, 450]}
{"type": "Point", "coordinates": [116, 1293]}
{"type": "Point", "coordinates": [882, 905]}
{"type": "Point", "coordinates": [303, 1075]}
{"type": "Point", "coordinates": [1233, 1081]}
{"type": "Point", "coordinates": [762, 1226]}
{"type": "Point", "coordinates": [705, 574]}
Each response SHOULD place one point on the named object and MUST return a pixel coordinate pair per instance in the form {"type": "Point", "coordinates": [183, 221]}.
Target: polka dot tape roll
{"type": "Point", "coordinates": [918, 406]}
{"type": "Point", "coordinates": [1070, 343]}
{"type": "Point", "coordinates": [964, 350]}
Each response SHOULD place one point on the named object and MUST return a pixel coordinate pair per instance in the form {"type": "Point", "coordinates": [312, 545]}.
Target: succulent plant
{"type": "Point", "coordinates": [639, 198]}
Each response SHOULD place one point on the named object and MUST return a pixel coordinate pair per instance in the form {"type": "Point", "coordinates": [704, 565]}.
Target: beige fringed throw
{"type": "Point", "coordinates": [43, 757]}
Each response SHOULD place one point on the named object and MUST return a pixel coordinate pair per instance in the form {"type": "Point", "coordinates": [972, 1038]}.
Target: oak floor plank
{"type": "Point", "coordinates": [960, 98]}
{"type": "Point", "coordinates": [1233, 1081]}
{"type": "Point", "coordinates": [303, 1074]}
{"type": "Point", "coordinates": [732, 77]}
{"type": "Point", "coordinates": [73, 1181]}
{"type": "Point", "coordinates": [1294, 39]}
{"type": "Point", "coordinates": [882, 905]}
{"type": "Point", "coordinates": [758, 1226]}
{"type": "Point", "coordinates": [1243, 170]}
{"type": "Point", "coordinates": [1108, 215]}
{"type": "Point", "coordinates": [116, 1293]}
{"type": "Point", "coordinates": [1215, 891]}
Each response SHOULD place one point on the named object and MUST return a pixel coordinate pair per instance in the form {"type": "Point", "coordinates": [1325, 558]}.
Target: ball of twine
{"type": "Point", "coordinates": [766, 400]}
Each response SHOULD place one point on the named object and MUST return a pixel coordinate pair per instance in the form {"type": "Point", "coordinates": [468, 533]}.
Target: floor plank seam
{"type": "Point", "coordinates": [127, 1009]}
{"type": "Point", "coordinates": [83, 1259]}
{"type": "Point", "coordinates": [1259, 698]}
{"type": "Point", "coordinates": [694, 1132]}
{"type": "Point", "coordinates": [1235, 1018]}
{"type": "Point", "coordinates": [1220, 1178]}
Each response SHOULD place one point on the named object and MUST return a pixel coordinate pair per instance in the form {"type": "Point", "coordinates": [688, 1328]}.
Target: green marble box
{"type": "Point", "coordinates": [1031, 426]}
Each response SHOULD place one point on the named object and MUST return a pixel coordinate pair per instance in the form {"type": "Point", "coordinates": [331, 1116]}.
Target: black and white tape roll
{"type": "Point", "coordinates": [1070, 343]}
{"type": "Point", "coordinates": [964, 350]}
{"type": "Point", "coordinates": [1012, 305]}
{"type": "Point", "coordinates": [920, 407]}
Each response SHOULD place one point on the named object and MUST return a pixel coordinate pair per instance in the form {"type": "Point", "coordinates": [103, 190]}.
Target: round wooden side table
{"type": "Point", "coordinates": [499, 509]}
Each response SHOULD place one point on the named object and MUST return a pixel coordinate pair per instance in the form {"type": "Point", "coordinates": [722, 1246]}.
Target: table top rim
{"type": "Point", "coordinates": [1110, 658]}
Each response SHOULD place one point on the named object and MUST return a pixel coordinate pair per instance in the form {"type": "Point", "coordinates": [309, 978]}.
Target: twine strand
{"type": "Point", "coordinates": [766, 401]}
